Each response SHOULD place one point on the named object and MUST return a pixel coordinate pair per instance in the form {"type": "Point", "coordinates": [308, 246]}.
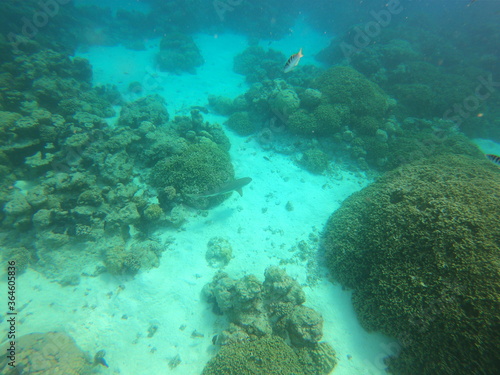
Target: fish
{"type": "Point", "coordinates": [293, 61]}
{"type": "Point", "coordinates": [228, 187]}
{"type": "Point", "coordinates": [472, 2]}
{"type": "Point", "coordinates": [494, 158]}
{"type": "Point", "coordinates": [99, 358]}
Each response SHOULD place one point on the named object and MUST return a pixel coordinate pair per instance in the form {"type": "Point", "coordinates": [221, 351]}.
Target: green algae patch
{"type": "Point", "coordinates": [421, 250]}
{"type": "Point", "coordinates": [268, 355]}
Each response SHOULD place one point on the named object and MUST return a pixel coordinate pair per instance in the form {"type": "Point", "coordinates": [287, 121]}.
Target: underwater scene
{"type": "Point", "coordinates": [250, 187]}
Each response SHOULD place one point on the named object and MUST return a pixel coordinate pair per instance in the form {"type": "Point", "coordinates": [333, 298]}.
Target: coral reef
{"type": "Point", "coordinates": [344, 85]}
{"type": "Point", "coordinates": [22, 256]}
{"type": "Point", "coordinates": [419, 247]}
{"type": "Point", "coordinates": [151, 108]}
{"type": "Point", "coordinates": [140, 256]}
{"type": "Point", "coordinates": [310, 98]}
{"type": "Point", "coordinates": [201, 167]}
{"type": "Point", "coordinates": [267, 355]}
{"type": "Point", "coordinates": [284, 101]}
{"type": "Point", "coordinates": [46, 353]}
{"type": "Point", "coordinates": [428, 75]}
{"type": "Point", "coordinates": [421, 139]}
{"type": "Point", "coordinates": [221, 105]}
{"type": "Point", "coordinates": [219, 252]}
{"type": "Point", "coordinates": [195, 130]}
{"type": "Point", "coordinates": [69, 180]}
{"type": "Point", "coordinates": [265, 311]}
{"type": "Point", "coordinates": [178, 53]}
{"type": "Point", "coordinates": [240, 122]}
{"type": "Point", "coordinates": [302, 123]}
{"type": "Point", "coordinates": [314, 160]}
{"type": "Point", "coordinates": [75, 186]}
{"type": "Point", "coordinates": [257, 64]}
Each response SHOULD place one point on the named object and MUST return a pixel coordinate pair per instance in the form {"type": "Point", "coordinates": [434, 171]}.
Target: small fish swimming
{"type": "Point", "coordinates": [99, 358]}
{"type": "Point", "coordinates": [494, 158]}
{"type": "Point", "coordinates": [293, 61]}
{"type": "Point", "coordinates": [472, 2]}
{"type": "Point", "coordinates": [228, 187]}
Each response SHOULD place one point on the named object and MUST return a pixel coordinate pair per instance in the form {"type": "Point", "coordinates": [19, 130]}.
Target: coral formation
{"type": "Point", "coordinates": [240, 122]}
{"type": "Point", "coordinates": [46, 353]}
{"type": "Point", "coordinates": [178, 53]}
{"type": "Point", "coordinates": [284, 102]}
{"type": "Point", "coordinates": [344, 85]}
{"type": "Point", "coordinates": [140, 256]}
{"type": "Point", "coordinates": [221, 104]}
{"type": "Point", "coordinates": [303, 123]}
{"type": "Point", "coordinates": [314, 160]}
{"type": "Point", "coordinates": [22, 256]}
{"type": "Point", "coordinates": [257, 64]}
{"type": "Point", "coordinates": [151, 108]}
{"type": "Point", "coordinates": [75, 175]}
{"type": "Point", "coordinates": [330, 118]}
{"type": "Point", "coordinates": [265, 311]}
{"type": "Point", "coordinates": [199, 168]}
{"type": "Point", "coordinates": [219, 252]}
{"type": "Point", "coordinates": [422, 69]}
{"type": "Point", "coordinates": [310, 98]}
{"type": "Point", "coordinates": [267, 355]}
{"type": "Point", "coordinates": [420, 249]}
{"type": "Point", "coordinates": [420, 139]}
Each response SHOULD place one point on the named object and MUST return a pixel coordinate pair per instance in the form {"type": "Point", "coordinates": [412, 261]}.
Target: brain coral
{"type": "Point", "coordinates": [421, 250]}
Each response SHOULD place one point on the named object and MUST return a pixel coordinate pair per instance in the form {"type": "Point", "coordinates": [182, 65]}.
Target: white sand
{"type": "Point", "coordinates": [169, 296]}
{"type": "Point", "coordinates": [487, 146]}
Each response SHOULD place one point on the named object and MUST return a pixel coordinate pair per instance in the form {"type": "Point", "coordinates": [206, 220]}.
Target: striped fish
{"type": "Point", "coordinates": [494, 158]}
{"type": "Point", "coordinates": [293, 61]}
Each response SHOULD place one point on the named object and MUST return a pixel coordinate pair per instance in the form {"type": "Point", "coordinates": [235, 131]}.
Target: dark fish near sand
{"type": "Point", "coordinates": [494, 158]}
{"type": "Point", "coordinates": [293, 61]}
{"type": "Point", "coordinates": [99, 358]}
{"type": "Point", "coordinates": [228, 187]}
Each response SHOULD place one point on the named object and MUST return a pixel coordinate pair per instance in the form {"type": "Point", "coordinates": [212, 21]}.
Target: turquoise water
{"type": "Point", "coordinates": [173, 202]}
